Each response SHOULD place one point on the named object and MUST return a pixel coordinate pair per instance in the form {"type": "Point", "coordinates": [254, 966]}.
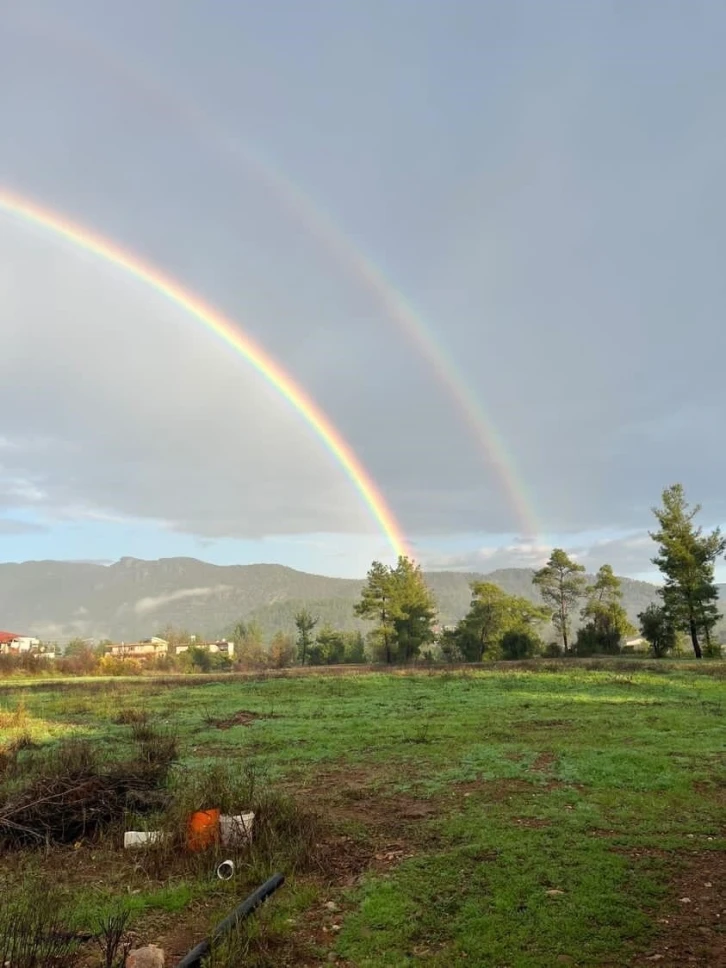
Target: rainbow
{"type": "Point", "coordinates": [343, 249]}
{"type": "Point", "coordinates": [30, 212]}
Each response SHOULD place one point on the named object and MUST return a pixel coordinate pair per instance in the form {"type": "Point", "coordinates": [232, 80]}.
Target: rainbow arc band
{"type": "Point", "coordinates": [31, 212]}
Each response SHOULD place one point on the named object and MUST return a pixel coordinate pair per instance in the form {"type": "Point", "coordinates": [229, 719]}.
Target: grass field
{"type": "Point", "coordinates": [521, 817]}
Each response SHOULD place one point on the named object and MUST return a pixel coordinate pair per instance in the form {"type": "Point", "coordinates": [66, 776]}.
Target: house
{"type": "Point", "coordinates": [146, 649]}
{"type": "Point", "coordinates": [223, 646]}
{"type": "Point", "coordinates": [12, 642]}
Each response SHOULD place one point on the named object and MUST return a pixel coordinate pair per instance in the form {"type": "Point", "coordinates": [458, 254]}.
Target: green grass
{"type": "Point", "coordinates": [554, 805]}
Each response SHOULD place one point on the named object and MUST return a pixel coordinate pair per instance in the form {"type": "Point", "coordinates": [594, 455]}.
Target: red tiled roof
{"type": "Point", "coordinates": [6, 637]}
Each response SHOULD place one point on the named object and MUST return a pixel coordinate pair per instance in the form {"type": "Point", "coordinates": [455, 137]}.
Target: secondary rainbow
{"type": "Point", "coordinates": [336, 241]}
{"type": "Point", "coordinates": [29, 211]}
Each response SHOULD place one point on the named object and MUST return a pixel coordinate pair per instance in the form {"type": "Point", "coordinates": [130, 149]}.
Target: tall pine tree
{"type": "Point", "coordinates": [401, 603]}
{"type": "Point", "coordinates": [561, 584]}
{"type": "Point", "coordinates": [376, 602]}
{"type": "Point", "coordinates": [687, 557]}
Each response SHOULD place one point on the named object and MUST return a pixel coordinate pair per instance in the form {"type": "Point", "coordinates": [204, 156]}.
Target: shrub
{"type": "Point", "coordinates": [519, 644]}
{"type": "Point", "coordinates": [117, 665]}
{"type": "Point", "coordinates": [70, 792]}
{"type": "Point", "coordinates": [33, 933]}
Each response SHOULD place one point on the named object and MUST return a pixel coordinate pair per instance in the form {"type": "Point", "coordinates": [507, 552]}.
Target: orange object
{"type": "Point", "coordinates": [203, 829]}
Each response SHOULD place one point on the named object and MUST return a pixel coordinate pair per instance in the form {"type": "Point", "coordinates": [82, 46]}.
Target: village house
{"type": "Point", "coordinates": [11, 643]}
{"type": "Point", "coordinates": [223, 646]}
{"type": "Point", "coordinates": [146, 649]}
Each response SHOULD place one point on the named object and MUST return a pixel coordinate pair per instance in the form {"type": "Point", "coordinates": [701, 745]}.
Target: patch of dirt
{"type": "Point", "coordinates": [543, 762]}
{"type": "Point", "coordinates": [243, 717]}
{"type": "Point", "coordinates": [692, 926]}
{"type": "Point", "coordinates": [494, 791]}
{"type": "Point", "coordinates": [533, 823]}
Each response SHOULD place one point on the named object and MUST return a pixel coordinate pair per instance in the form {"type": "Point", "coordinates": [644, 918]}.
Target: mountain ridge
{"type": "Point", "coordinates": [134, 597]}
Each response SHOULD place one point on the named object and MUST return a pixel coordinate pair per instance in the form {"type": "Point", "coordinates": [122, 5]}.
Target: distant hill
{"type": "Point", "coordinates": [133, 599]}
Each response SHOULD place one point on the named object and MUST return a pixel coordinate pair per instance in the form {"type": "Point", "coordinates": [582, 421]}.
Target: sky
{"type": "Point", "coordinates": [485, 238]}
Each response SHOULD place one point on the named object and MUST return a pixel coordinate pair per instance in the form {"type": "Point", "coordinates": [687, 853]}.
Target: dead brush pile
{"type": "Point", "coordinates": [71, 791]}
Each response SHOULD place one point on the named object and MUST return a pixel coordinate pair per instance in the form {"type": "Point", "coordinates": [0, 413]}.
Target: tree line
{"type": "Point", "coordinates": [500, 625]}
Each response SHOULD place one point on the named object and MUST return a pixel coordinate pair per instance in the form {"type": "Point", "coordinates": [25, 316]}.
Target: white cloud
{"type": "Point", "coordinates": [629, 555]}
{"type": "Point", "coordinates": [145, 605]}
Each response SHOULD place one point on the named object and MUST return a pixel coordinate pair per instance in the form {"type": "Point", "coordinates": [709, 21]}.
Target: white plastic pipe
{"type": "Point", "coordinates": [140, 838]}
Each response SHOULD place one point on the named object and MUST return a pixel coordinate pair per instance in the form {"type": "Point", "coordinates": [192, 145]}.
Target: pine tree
{"type": "Point", "coordinates": [305, 623]}
{"type": "Point", "coordinates": [401, 603]}
{"type": "Point", "coordinates": [657, 630]}
{"type": "Point", "coordinates": [562, 584]}
{"type": "Point", "coordinates": [414, 609]}
{"type": "Point", "coordinates": [495, 617]}
{"type": "Point", "coordinates": [687, 557]}
{"type": "Point", "coordinates": [376, 602]}
{"type": "Point", "coordinates": [606, 620]}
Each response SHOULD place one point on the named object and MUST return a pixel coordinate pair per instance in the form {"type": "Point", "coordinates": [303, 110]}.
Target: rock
{"type": "Point", "coordinates": [554, 892]}
{"type": "Point", "coordinates": [150, 956]}
{"type": "Point", "coordinates": [331, 906]}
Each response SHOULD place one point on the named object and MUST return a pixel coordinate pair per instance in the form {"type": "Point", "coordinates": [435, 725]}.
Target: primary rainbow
{"type": "Point", "coordinates": [215, 322]}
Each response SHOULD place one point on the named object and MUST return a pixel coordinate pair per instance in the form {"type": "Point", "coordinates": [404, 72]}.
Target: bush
{"type": "Point", "coordinates": [69, 792]}
{"type": "Point", "coordinates": [116, 665]}
{"type": "Point", "coordinates": [519, 644]}
{"type": "Point", "coordinates": [592, 640]}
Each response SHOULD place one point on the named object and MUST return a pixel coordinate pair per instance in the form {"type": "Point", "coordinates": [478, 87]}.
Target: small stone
{"type": "Point", "coordinates": [655, 958]}
{"type": "Point", "coordinates": [553, 892]}
{"type": "Point", "coordinates": [708, 884]}
{"type": "Point", "coordinates": [335, 927]}
{"type": "Point", "coordinates": [150, 956]}
{"type": "Point", "coordinates": [685, 900]}
{"type": "Point", "coordinates": [331, 906]}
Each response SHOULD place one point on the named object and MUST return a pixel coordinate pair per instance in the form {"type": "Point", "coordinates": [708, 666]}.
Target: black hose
{"type": "Point", "coordinates": [246, 908]}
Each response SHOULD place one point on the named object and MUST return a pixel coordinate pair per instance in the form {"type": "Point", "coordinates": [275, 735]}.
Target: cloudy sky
{"type": "Point", "coordinates": [485, 237]}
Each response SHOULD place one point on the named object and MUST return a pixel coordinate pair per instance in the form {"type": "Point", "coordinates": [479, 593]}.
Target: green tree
{"type": "Point", "coordinates": [281, 651]}
{"type": "Point", "coordinates": [355, 651]}
{"type": "Point", "coordinates": [200, 658]}
{"type": "Point", "coordinates": [77, 647]}
{"type": "Point", "coordinates": [249, 640]}
{"type": "Point", "coordinates": [687, 557]}
{"type": "Point", "coordinates": [376, 604]}
{"type": "Point", "coordinates": [305, 624]}
{"type": "Point", "coordinates": [483, 626]}
{"type": "Point", "coordinates": [401, 603]}
{"type": "Point", "coordinates": [606, 621]}
{"type": "Point", "coordinates": [561, 584]}
{"type": "Point", "coordinates": [414, 610]}
{"type": "Point", "coordinates": [492, 615]}
{"type": "Point", "coordinates": [329, 647]}
{"type": "Point", "coordinates": [657, 629]}
{"type": "Point", "coordinates": [519, 644]}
